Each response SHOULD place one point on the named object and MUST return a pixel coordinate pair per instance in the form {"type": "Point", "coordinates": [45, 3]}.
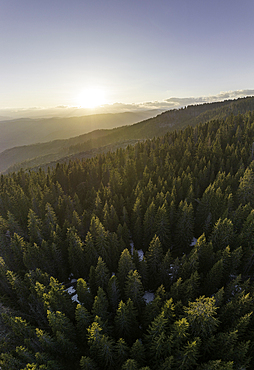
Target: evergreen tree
{"type": "Point", "coordinates": [126, 324]}
{"type": "Point", "coordinates": [86, 363]}
{"type": "Point", "coordinates": [245, 190]}
{"type": "Point", "coordinates": [76, 254]}
{"type": "Point", "coordinates": [84, 294]}
{"type": "Point", "coordinates": [101, 274]}
{"type": "Point", "coordinates": [162, 228]}
{"type": "Point", "coordinates": [201, 316]}
{"type": "Point", "coordinates": [137, 222]}
{"type": "Point", "coordinates": [222, 234]}
{"type": "Point", "coordinates": [34, 226]}
{"type": "Point", "coordinates": [130, 365]}
{"type": "Point", "coordinates": [50, 221]}
{"type": "Point", "coordinates": [101, 346]}
{"type": "Point", "coordinates": [154, 257]}
{"type": "Point", "coordinates": [114, 294]}
{"type": "Point", "coordinates": [149, 220]}
{"type": "Point", "coordinates": [185, 226]}
{"type": "Point", "coordinates": [83, 319]}
{"type": "Point", "coordinates": [90, 252]}
{"type": "Point", "coordinates": [137, 352]}
{"type": "Point", "coordinates": [125, 265]}
{"type": "Point", "coordinates": [134, 289]}
{"type": "Point", "coordinates": [100, 305]}
{"type": "Point", "coordinates": [121, 352]}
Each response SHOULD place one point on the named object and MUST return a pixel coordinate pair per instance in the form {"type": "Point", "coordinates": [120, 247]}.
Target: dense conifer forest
{"type": "Point", "coordinates": [138, 259]}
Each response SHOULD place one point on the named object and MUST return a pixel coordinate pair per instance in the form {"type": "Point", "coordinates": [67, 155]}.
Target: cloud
{"type": "Point", "coordinates": [167, 104]}
{"type": "Point", "coordinates": [225, 95]}
{"type": "Point", "coordinates": [174, 102]}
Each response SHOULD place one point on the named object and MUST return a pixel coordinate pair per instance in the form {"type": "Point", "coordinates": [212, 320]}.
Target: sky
{"type": "Point", "coordinates": [142, 53]}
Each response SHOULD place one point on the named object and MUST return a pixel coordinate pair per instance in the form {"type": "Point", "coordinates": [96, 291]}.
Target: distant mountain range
{"type": "Point", "coordinates": [90, 144]}
{"type": "Point", "coordinates": [26, 131]}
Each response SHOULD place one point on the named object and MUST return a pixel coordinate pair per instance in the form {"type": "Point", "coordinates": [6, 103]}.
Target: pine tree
{"type": "Point", "coordinates": [50, 221]}
{"type": "Point", "coordinates": [115, 247]}
{"type": "Point", "coordinates": [101, 241]}
{"type": "Point", "coordinates": [126, 324]}
{"type": "Point", "coordinates": [189, 355]}
{"type": "Point", "coordinates": [76, 254]}
{"type": "Point", "coordinates": [185, 226]}
{"type": "Point", "coordinates": [58, 299]}
{"type": "Point", "coordinates": [101, 274]}
{"type": "Point", "coordinates": [149, 220]}
{"type": "Point", "coordinates": [166, 270]}
{"type": "Point", "coordinates": [83, 319]}
{"type": "Point", "coordinates": [100, 305]}
{"type": "Point", "coordinates": [130, 365]}
{"type": "Point", "coordinates": [101, 346]}
{"type": "Point", "coordinates": [122, 352]}
{"type": "Point", "coordinates": [114, 294]}
{"type": "Point", "coordinates": [64, 332]}
{"type": "Point", "coordinates": [137, 352]}
{"type": "Point", "coordinates": [125, 265]}
{"type": "Point", "coordinates": [214, 278]}
{"type": "Point", "coordinates": [134, 289]}
{"type": "Point", "coordinates": [34, 226]}
{"type": "Point", "coordinates": [90, 252]}
{"type": "Point", "coordinates": [137, 223]}
{"type": "Point", "coordinates": [245, 190]}
{"type": "Point", "coordinates": [216, 365]}
{"type": "Point", "coordinates": [14, 259]}
{"type": "Point", "coordinates": [154, 257]}
{"type": "Point", "coordinates": [84, 294]}
{"type": "Point", "coordinates": [222, 234]}
{"type": "Point", "coordinates": [201, 316]}
{"type": "Point", "coordinates": [158, 342]}
{"type": "Point", "coordinates": [86, 363]}
{"type": "Point", "coordinates": [162, 227]}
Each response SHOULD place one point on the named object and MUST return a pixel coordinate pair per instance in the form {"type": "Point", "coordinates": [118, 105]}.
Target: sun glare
{"type": "Point", "coordinates": [91, 98]}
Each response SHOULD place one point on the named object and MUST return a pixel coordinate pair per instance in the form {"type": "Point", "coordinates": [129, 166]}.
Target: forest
{"type": "Point", "coordinates": [136, 259]}
{"type": "Point", "coordinates": [48, 154]}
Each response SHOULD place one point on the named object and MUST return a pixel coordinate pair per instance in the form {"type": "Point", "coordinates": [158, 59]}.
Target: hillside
{"type": "Point", "coordinates": [26, 131]}
{"type": "Point", "coordinates": [42, 154]}
{"type": "Point", "coordinates": [138, 259]}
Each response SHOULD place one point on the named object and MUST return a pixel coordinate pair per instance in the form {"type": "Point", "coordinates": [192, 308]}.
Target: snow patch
{"type": "Point", "coordinates": [194, 241]}
{"type": "Point", "coordinates": [140, 254]}
{"type": "Point", "coordinates": [74, 298]}
{"type": "Point", "coordinates": [70, 290]}
{"type": "Point", "coordinates": [148, 297]}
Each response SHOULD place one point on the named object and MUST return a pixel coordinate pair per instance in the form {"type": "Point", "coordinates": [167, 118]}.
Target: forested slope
{"type": "Point", "coordinates": [89, 221]}
{"type": "Point", "coordinates": [27, 131]}
{"type": "Point", "coordinates": [42, 154]}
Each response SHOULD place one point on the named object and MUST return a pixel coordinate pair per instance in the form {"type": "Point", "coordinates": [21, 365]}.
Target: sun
{"type": "Point", "coordinates": [91, 98]}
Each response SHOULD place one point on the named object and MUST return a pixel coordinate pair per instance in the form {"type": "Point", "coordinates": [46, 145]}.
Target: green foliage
{"type": "Point", "coordinates": [100, 305]}
{"type": "Point", "coordinates": [126, 324]}
{"type": "Point", "coordinates": [125, 265]}
{"type": "Point", "coordinates": [185, 200]}
{"type": "Point", "coordinates": [154, 257]}
{"type": "Point", "coordinates": [86, 363]}
{"type": "Point", "coordinates": [201, 316]}
{"type": "Point", "coordinates": [134, 289]}
{"type": "Point", "coordinates": [113, 293]}
{"type": "Point", "coordinates": [84, 294]}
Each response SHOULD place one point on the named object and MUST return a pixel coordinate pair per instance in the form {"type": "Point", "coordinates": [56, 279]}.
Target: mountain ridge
{"type": "Point", "coordinates": [26, 131]}
{"type": "Point", "coordinates": [176, 119]}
